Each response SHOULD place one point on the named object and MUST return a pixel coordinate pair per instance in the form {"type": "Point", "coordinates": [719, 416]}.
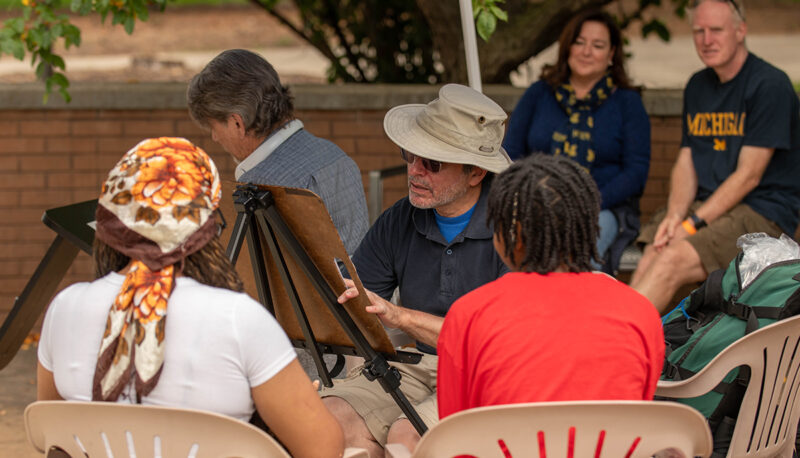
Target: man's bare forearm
{"type": "Point", "coordinates": [422, 326]}
{"type": "Point", "coordinates": [749, 170]}
{"type": "Point", "coordinates": [683, 185]}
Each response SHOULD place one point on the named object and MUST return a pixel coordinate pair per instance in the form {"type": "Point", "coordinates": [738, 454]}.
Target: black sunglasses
{"type": "Point", "coordinates": [429, 165]}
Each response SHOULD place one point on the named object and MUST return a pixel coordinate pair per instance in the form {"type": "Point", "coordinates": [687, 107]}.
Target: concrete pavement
{"type": "Point", "coordinates": [17, 390]}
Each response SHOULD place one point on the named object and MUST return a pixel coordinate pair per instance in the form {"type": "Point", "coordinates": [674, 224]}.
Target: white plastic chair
{"type": "Point", "coordinates": [103, 429]}
{"type": "Point", "coordinates": [567, 429]}
{"type": "Point", "coordinates": [767, 421]}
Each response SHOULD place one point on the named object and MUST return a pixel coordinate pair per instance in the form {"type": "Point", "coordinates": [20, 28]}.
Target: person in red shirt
{"type": "Point", "coordinates": [551, 329]}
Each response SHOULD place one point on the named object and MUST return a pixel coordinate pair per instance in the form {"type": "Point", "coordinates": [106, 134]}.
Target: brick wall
{"type": "Point", "coordinates": [664, 143]}
{"type": "Point", "coordinates": [56, 155]}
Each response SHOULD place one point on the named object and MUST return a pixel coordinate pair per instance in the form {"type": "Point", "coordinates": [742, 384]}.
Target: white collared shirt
{"type": "Point", "coordinates": [270, 144]}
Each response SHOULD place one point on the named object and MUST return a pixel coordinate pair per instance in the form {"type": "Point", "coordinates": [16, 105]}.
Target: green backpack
{"type": "Point", "coordinates": [715, 315]}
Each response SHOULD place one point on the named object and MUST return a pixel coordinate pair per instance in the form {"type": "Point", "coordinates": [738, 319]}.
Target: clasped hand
{"type": "Point", "coordinates": [670, 230]}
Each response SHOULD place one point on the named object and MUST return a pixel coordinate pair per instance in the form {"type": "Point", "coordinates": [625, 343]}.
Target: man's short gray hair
{"type": "Point", "coordinates": [736, 6]}
{"type": "Point", "coordinates": [240, 82]}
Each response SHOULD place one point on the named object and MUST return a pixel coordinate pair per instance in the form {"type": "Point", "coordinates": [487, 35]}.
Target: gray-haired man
{"type": "Point", "coordinates": [434, 245]}
{"type": "Point", "coordinates": [239, 98]}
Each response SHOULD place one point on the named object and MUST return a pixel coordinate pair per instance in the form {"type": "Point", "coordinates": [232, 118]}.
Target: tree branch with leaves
{"type": "Point", "coordinates": [368, 41]}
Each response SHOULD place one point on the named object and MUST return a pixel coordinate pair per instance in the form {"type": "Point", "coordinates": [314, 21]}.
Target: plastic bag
{"type": "Point", "coordinates": [761, 250]}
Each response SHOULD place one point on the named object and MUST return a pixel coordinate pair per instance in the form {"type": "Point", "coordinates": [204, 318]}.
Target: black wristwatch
{"type": "Point", "coordinates": [697, 221]}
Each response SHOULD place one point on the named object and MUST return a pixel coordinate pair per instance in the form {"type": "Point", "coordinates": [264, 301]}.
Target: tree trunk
{"type": "Point", "coordinates": [533, 27]}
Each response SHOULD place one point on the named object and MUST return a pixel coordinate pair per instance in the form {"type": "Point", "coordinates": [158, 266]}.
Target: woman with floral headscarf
{"type": "Point", "coordinates": [166, 322]}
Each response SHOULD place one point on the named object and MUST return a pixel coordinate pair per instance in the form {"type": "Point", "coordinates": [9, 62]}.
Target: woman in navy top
{"type": "Point", "coordinates": [584, 107]}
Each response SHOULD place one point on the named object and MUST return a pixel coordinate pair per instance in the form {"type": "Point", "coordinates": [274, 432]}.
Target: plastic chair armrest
{"type": "Point", "coordinates": [698, 385]}
{"type": "Point", "coordinates": [397, 451]}
{"type": "Point", "coordinates": [355, 452]}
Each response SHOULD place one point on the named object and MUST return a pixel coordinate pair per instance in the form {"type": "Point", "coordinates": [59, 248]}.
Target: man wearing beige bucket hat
{"type": "Point", "coordinates": [434, 245]}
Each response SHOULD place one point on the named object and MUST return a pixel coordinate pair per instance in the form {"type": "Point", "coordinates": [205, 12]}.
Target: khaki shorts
{"type": "Point", "coordinates": [716, 243]}
{"type": "Point", "coordinates": [377, 408]}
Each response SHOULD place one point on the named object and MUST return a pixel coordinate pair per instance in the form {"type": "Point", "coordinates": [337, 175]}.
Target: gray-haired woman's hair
{"type": "Point", "coordinates": [240, 82]}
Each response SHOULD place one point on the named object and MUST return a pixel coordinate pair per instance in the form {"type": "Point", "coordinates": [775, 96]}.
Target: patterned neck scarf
{"type": "Point", "coordinates": [156, 207]}
{"type": "Point", "coordinates": [574, 137]}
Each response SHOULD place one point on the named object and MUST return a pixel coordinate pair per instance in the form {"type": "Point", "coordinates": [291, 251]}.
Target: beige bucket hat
{"type": "Point", "coordinates": [462, 126]}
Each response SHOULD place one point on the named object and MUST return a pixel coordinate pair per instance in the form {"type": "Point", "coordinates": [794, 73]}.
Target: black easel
{"type": "Point", "coordinates": [73, 233]}
{"type": "Point", "coordinates": [257, 214]}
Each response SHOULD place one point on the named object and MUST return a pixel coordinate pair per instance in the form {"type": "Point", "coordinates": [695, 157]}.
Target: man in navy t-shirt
{"type": "Point", "coordinates": [738, 167]}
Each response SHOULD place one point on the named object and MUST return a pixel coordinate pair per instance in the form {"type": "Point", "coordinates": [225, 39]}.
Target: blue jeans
{"type": "Point", "coordinates": [609, 227]}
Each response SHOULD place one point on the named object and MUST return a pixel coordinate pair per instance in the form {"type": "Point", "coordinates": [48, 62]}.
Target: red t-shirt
{"type": "Point", "coordinates": [558, 337]}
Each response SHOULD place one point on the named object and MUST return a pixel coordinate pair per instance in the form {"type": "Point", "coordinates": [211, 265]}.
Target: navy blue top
{"type": "Point", "coordinates": [405, 248]}
{"type": "Point", "coordinates": [758, 107]}
{"type": "Point", "coordinates": [621, 138]}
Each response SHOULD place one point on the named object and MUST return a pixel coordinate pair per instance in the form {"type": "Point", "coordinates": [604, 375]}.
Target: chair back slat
{"type": "Point", "coordinates": [767, 420]}
{"type": "Point", "coordinates": [101, 429]}
{"type": "Point", "coordinates": [569, 429]}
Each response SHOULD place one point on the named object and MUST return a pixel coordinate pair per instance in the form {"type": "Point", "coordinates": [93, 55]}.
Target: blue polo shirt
{"type": "Point", "coordinates": [405, 248]}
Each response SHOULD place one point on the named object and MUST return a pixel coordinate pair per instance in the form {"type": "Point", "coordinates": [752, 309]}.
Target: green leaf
{"type": "Point", "coordinates": [86, 8]}
{"type": "Point", "coordinates": [57, 61]}
{"type": "Point", "coordinates": [46, 38]}
{"type": "Point", "coordinates": [35, 36]}
{"type": "Point", "coordinates": [129, 23]}
{"type": "Point", "coordinates": [658, 27]}
{"type": "Point", "coordinates": [65, 94]}
{"type": "Point", "coordinates": [42, 68]}
{"type": "Point", "coordinates": [498, 13]}
{"type": "Point", "coordinates": [486, 24]}
{"type": "Point", "coordinates": [16, 24]}
{"type": "Point", "coordinates": [46, 13]}
{"type": "Point", "coordinates": [72, 36]}
{"type": "Point", "coordinates": [60, 79]}
{"type": "Point", "coordinates": [139, 10]}
{"type": "Point", "coordinates": [680, 8]}
{"type": "Point", "coordinates": [15, 48]}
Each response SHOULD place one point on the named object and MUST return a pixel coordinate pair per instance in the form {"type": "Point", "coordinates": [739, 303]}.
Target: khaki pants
{"type": "Point", "coordinates": [716, 243]}
{"type": "Point", "coordinates": [377, 408]}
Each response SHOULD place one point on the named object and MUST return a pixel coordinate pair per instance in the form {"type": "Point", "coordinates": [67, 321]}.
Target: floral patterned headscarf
{"type": "Point", "coordinates": [156, 207]}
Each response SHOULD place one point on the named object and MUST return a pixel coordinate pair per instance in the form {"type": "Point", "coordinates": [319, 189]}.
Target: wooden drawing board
{"type": "Point", "coordinates": [307, 218]}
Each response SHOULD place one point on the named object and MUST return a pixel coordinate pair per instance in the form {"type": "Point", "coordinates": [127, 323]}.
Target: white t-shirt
{"type": "Point", "coordinates": [219, 344]}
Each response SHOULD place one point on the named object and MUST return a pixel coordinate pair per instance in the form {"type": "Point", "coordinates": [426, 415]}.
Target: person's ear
{"type": "Point", "coordinates": [741, 31]}
{"type": "Point", "coordinates": [476, 175]}
{"type": "Point", "coordinates": [236, 122]}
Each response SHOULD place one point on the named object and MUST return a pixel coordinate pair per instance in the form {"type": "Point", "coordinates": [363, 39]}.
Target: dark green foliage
{"type": "Point", "coordinates": [368, 41]}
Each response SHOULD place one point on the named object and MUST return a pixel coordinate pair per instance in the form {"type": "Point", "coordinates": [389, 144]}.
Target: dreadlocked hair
{"type": "Point", "coordinates": [552, 204]}
{"type": "Point", "coordinates": [208, 265]}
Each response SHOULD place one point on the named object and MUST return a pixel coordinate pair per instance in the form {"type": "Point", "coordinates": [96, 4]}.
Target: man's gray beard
{"type": "Point", "coordinates": [445, 197]}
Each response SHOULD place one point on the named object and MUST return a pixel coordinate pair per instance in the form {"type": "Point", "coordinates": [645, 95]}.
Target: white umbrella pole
{"type": "Point", "coordinates": [470, 45]}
